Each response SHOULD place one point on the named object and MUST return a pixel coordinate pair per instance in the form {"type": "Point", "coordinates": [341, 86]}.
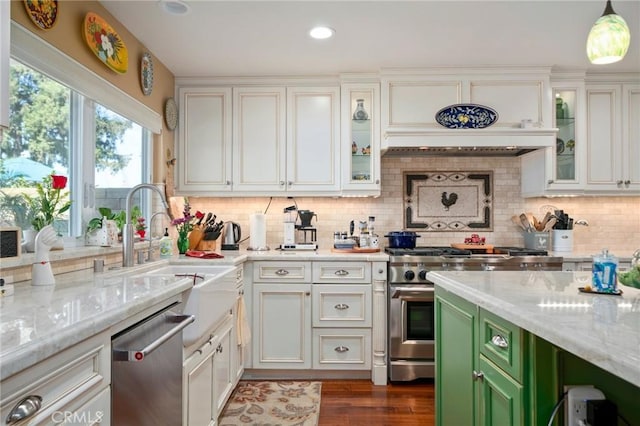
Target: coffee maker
{"type": "Point", "coordinates": [290, 218]}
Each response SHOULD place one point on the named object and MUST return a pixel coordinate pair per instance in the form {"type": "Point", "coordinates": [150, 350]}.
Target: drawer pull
{"type": "Point", "coordinates": [478, 375]}
{"type": "Point", "coordinates": [219, 348]}
{"type": "Point", "coordinates": [341, 306]}
{"type": "Point", "coordinates": [25, 408]}
{"type": "Point", "coordinates": [341, 349]}
{"type": "Point", "coordinates": [282, 272]}
{"type": "Point", "coordinates": [499, 341]}
{"type": "Point", "coordinates": [341, 273]}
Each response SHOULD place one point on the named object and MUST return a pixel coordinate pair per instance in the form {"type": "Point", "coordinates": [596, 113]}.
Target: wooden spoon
{"type": "Point", "coordinates": [516, 220]}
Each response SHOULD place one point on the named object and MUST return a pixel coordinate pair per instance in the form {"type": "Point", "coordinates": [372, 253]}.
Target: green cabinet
{"type": "Point", "coordinates": [480, 366]}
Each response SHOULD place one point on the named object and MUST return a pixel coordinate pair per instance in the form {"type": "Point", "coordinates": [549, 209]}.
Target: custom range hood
{"type": "Point", "coordinates": [488, 142]}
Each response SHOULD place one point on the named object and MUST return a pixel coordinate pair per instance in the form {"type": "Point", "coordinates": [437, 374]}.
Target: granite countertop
{"type": "Point", "coordinates": [602, 329]}
{"type": "Point", "coordinates": [39, 321]}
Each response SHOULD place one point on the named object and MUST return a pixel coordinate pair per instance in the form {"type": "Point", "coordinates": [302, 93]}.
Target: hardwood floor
{"type": "Point", "coordinates": [359, 402]}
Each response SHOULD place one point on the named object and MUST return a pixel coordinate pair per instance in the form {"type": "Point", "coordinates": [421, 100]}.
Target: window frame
{"type": "Point", "coordinates": [87, 88]}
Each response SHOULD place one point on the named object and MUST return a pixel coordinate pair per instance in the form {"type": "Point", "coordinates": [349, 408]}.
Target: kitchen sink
{"type": "Point", "coordinates": [212, 296]}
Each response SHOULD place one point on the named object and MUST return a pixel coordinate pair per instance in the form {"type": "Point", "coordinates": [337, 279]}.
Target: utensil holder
{"type": "Point", "coordinates": [207, 245]}
{"type": "Point", "coordinates": [537, 240]}
{"type": "Point", "coordinates": [562, 240]}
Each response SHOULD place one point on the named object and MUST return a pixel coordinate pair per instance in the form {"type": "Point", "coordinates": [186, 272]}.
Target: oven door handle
{"type": "Point", "coordinates": [411, 292]}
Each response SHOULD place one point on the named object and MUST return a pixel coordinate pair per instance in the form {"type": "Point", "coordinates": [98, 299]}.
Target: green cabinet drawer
{"type": "Point", "coordinates": [502, 343]}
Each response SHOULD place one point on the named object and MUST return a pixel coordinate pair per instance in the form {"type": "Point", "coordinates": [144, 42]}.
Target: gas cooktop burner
{"type": "Point", "coordinates": [428, 251]}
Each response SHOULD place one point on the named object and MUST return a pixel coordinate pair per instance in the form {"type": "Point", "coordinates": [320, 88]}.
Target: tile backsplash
{"type": "Point", "coordinates": [614, 222]}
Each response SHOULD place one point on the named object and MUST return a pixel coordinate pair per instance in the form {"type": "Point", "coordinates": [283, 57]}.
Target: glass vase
{"type": "Point", "coordinates": [183, 242]}
{"type": "Point", "coordinates": [360, 113]}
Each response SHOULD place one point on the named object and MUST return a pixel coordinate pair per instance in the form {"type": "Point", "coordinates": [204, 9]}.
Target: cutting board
{"type": "Point", "coordinates": [488, 248]}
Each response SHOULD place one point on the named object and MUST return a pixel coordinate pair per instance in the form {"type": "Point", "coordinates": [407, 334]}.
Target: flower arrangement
{"type": "Point", "coordinates": [140, 226]}
{"type": "Point", "coordinates": [184, 225]}
{"type": "Point", "coordinates": [50, 201]}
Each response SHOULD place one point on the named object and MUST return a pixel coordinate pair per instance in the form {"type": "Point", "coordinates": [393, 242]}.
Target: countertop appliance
{"type": "Point", "coordinates": [410, 300]}
{"type": "Point", "coordinates": [146, 370]}
{"type": "Point", "coordinates": [232, 234]}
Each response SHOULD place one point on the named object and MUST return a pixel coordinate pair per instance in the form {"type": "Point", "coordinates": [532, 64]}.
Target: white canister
{"type": "Point", "coordinates": [562, 240]}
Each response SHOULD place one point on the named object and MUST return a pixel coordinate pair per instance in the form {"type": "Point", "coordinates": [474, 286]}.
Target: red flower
{"type": "Point", "coordinates": [58, 182]}
{"type": "Point", "coordinates": [199, 215]}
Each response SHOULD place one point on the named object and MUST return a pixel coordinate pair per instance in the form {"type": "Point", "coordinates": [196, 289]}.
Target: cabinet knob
{"type": "Point", "coordinates": [290, 183]}
{"type": "Point", "coordinates": [499, 341]}
{"type": "Point", "coordinates": [307, 293]}
{"type": "Point", "coordinates": [282, 272]}
{"type": "Point", "coordinates": [341, 273]}
{"type": "Point", "coordinates": [341, 349]}
{"type": "Point", "coordinates": [627, 182]}
{"type": "Point", "coordinates": [281, 183]}
{"type": "Point", "coordinates": [619, 182]}
{"type": "Point", "coordinates": [228, 182]}
{"type": "Point", "coordinates": [377, 181]}
{"type": "Point", "coordinates": [477, 375]}
{"type": "Point", "coordinates": [550, 181]}
{"type": "Point", "coordinates": [219, 348]}
{"type": "Point", "coordinates": [341, 306]}
{"type": "Point", "coordinates": [24, 409]}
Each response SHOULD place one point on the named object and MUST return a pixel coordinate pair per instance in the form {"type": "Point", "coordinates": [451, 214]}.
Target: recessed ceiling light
{"type": "Point", "coordinates": [175, 7]}
{"type": "Point", "coordinates": [321, 33]}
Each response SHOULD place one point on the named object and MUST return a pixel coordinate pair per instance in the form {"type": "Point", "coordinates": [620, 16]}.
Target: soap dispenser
{"type": "Point", "coordinates": [604, 272]}
{"type": "Point", "coordinates": [166, 245]}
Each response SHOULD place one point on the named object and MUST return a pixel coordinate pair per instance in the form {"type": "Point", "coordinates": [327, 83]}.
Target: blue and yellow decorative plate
{"type": "Point", "coordinates": [466, 116]}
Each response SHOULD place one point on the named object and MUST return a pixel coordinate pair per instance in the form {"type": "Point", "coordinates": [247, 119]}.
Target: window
{"type": "Point", "coordinates": [55, 129]}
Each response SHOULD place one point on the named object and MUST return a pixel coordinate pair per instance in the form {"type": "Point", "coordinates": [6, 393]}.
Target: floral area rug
{"type": "Point", "coordinates": [279, 403]}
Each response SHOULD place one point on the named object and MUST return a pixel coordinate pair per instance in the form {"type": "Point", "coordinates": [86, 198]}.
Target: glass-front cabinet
{"type": "Point", "coordinates": [568, 160]}
{"type": "Point", "coordinates": [360, 139]}
{"type": "Point", "coordinates": [565, 117]}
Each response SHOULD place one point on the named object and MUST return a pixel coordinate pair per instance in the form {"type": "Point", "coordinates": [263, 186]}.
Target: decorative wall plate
{"type": "Point", "coordinates": [171, 113]}
{"type": "Point", "coordinates": [448, 201]}
{"type": "Point", "coordinates": [105, 43]}
{"type": "Point", "coordinates": [466, 116]}
{"type": "Point", "coordinates": [146, 73]}
{"type": "Point", "coordinates": [43, 13]}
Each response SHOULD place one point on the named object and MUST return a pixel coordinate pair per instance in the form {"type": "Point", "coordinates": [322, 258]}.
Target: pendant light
{"type": "Point", "coordinates": [609, 38]}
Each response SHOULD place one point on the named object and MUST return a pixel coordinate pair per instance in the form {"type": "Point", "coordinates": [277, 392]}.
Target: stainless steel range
{"type": "Point", "coordinates": [410, 302]}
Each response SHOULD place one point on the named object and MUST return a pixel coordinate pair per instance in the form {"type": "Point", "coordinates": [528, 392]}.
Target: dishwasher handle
{"type": "Point", "coordinates": [138, 355]}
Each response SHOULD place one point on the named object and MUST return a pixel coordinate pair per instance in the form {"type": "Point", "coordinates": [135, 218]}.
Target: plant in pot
{"type": "Point", "coordinates": [49, 203]}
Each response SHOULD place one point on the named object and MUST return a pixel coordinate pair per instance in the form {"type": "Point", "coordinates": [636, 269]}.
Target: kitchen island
{"type": "Point", "coordinates": [554, 335]}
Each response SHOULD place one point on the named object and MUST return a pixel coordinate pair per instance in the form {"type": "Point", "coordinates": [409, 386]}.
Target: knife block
{"type": "Point", "coordinates": [207, 245]}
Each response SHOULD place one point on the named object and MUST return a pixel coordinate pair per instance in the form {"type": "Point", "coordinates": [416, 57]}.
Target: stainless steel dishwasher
{"type": "Point", "coordinates": [146, 371]}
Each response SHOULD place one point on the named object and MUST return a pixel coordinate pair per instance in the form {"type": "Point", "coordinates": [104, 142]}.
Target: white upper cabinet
{"type": "Point", "coordinates": [562, 168]}
{"type": "Point", "coordinates": [259, 139]}
{"type": "Point", "coordinates": [286, 140]}
{"type": "Point", "coordinates": [5, 21]}
{"type": "Point", "coordinates": [360, 150]}
{"type": "Point", "coordinates": [313, 141]}
{"type": "Point", "coordinates": [613, 139]}
{"type": "Point", "coordinates": [204, 143]}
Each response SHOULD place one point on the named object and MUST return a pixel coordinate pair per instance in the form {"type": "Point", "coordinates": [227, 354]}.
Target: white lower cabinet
{"type": "Point", "coordinates": [208, 377]}
{"type": "Point", "coordinates": [312, 315]}
{"type": "Point", "coordinates": [282, 325]}
{"type": "Point", "coordinates": [73, 386]}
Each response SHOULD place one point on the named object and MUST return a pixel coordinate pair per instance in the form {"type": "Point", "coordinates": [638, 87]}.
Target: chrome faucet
{"type": "Point", "coordinates": [127, 230]}
{"type": "Point", "coordinates": [151, 230]}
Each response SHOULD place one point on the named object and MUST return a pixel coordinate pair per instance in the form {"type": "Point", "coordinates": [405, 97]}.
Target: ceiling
{"type": "Point", "coordinates": [261, 38]}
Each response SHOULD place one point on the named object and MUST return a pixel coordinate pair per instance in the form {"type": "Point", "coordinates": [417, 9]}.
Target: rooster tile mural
{"type": "Point", "coordinates": [448, 201]}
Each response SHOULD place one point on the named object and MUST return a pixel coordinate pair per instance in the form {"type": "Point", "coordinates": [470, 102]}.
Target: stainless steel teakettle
{"type": "Point", "coordinates": [231, 236]}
